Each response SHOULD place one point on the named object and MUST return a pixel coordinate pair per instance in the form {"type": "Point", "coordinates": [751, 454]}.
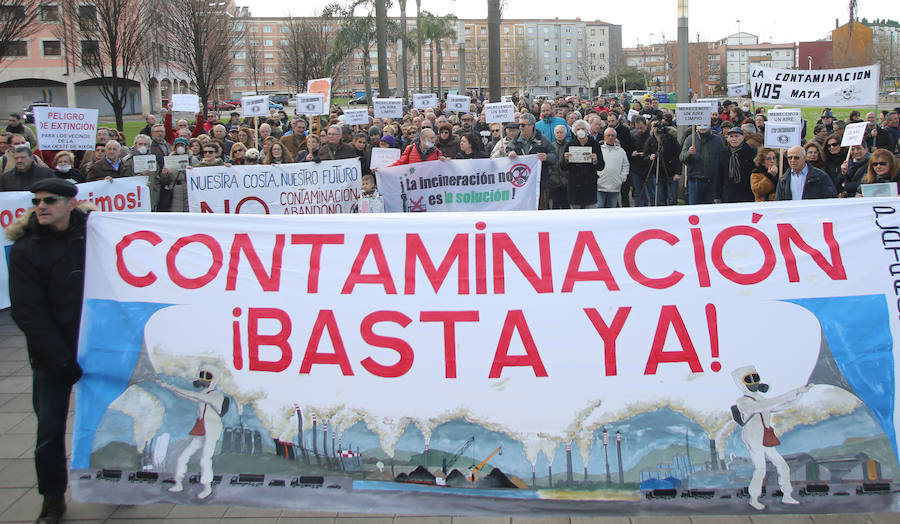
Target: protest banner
{"type": "Point", "coordinates": [356, 117]}
{"type": "Point", "coordinates": [322, 86]}
{"type": "Point", "coordinates": [185, 102]}
{"type": "Point", "coordinates": [499, 112]}
{"type": "Point", "coordinates": [383, 156]}
{"type": "Point", "coordinates": [143, 163]}
{"type": "Point", "coordinates": [738, 90]}
{"type": "Point", "coordinates": [782, 136]}
{"type": "Point", "coordinates": [123, 194]}
{"type": "Point", "coordinates": [675, 335]}
{"type": "Point", "coordinates": [425, 100]}
{"type": "Point", "coordinates": [311, 104]}
{"type": "Point", "coordinates": [851, 86]}
{"type": "Point", "coordinates": [387, 107]}
{"type": "Point", "coordinates": [697, 114]}
{"type": "Point", "coordinates": [255, 105]}
{"type": "Point", "coordinates": [713, 104]}
{"type": "Point", "coordinates": [461, 103]}
{"type": "Point", "coordinates": [488, 184]}
{"type": "Point", "coordinates": [175, 162]}
{"type": "Point", "coordinates": [65, 128]}
{"type": "Point", "coordinates": [330, 186]}
{"type": "Point", "coordinates": [854, 134]}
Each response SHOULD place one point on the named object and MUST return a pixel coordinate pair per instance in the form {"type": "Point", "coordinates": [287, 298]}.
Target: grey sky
{"type": "Point", "coordinates": [780, 21]}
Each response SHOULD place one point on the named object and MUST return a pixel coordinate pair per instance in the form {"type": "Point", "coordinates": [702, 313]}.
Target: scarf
{"type": "Point", "coordinates": [734, 166]}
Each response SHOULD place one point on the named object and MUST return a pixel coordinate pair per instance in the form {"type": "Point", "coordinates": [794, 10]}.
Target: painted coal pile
{"type": "Point", "coordinates": [457, 479]}
{"type": "Point", "coordinates": [420, 475]}
{"type": "Point", "coordinates": [403, 477]}
{"type": "Point", "coordinates": [495, 479]}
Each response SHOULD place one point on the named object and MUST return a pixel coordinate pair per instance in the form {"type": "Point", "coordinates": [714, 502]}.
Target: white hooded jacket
{"type": "Point", "coordinates": [616, 171]}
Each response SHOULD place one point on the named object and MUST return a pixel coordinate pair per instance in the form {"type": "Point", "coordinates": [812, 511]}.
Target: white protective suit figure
{"type": "Point", "coordinates": [210, 403]}
{"type": "Point", "coordinates": [753, 411]}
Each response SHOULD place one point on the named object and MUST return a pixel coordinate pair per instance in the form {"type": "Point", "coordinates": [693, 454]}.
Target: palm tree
{"type": "Point", "coordinates": [494, 50]}
{"type": "Point", "coordinates": [356, 33]}
{"type": "Point", "coordinates": [442, 27]}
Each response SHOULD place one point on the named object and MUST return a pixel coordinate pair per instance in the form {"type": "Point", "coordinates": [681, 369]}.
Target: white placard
{"type": "Point", "coordinates": [311, 104]}
{"type": "Point", "coordinates": [425, 100]}
{"type": "Point", "coordinates": [879, 190]}
{"type": "Point", "coordinates": [320, 85]}
{"type": "Point", "coordinates": [697, 114]}
{"type": "Point", "coordinates": [784, 116]}
{"type": "Point", "coordinates": [782, 136]}
{"type": "Point", "coordinates": [713, 104]}
{"type": "Point", "coordinates": [580, 154]}
{"type": "Point", "coordinates": [460, 103]}
{"type": "Point", "coordinates": [854, 134]}
{"type": "Point", "coordinates": [255, 105]}
{"type": "Point", "coordinates": [388, 107]}
{"type": "Point", "coordinates": [67, 128]}
{"type": "Point", "coordinates": [738, 90]}
{"type": "Point", "coordinates": [356, 117]}
{"type": "Point", "coordinates": [499, 112]}
{"type": "Point", "coordinates": [176, 162]}
{"type": "Point", "coordinates": [383, 156]}
{"type": "Point", "coordinates": [143, 163]}
{"type": "Point", "coordinates": [186, 102]}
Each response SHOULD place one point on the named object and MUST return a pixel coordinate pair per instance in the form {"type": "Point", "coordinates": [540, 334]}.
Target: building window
{"type": "Point", "coordinates": [239, 82]}
{"type": "Point", "coordinates": [90, 52]}
{"type": "Point", "coordinates": [268, 56]}
{"type": "Point", "coordinates": [238, 69]}
{"type": "Point", "coordinates": [17, 48]}
{"type": "Point", "coordinates": [284, 29]}
{"type": "Point", "coordinates": [267, 43]}
{"type": "Point", "coordinates": [52, 48]}
{"type": "Point", "coordinates": [506, 30]}
{"type": "Point", "coordinates": [270, 69]}
{"type": "Point", "coordinates": [267, 29]}
{"type": "Point", "coordinates": [239, 55]}
{"type": "Point", "coordinates": [87, 17]}
{"type": "Point", "coordinates": [49, 13]}
{"type": "Point", "coordinates": [285, 43]}
{"type": "Point", "coordinates": [254, 43]}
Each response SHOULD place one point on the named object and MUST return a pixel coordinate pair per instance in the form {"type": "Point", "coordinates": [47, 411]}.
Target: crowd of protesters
{"type": "Point", "coordinates": [639, 157]}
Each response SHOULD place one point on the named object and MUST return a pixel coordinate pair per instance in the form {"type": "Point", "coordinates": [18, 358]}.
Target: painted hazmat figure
{"type": "Point", "coordinates": [753, 412]}
{"type": "Point", "coordinates": [212, 405]}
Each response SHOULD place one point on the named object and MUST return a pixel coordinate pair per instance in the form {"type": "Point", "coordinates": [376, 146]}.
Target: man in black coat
{"type": "Point", "coordinates": [531, 142]}
{"type": "Point", "coordinates": [735, 165]}
{"type": "Point", "coordinates": [25, 171]}
{"type": "Point", "coordinates": [803, 181]}
{"type": "Point", "coordinates": [46, 285]}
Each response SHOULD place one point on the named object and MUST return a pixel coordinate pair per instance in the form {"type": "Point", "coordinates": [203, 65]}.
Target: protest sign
{"type": "Point", "coordinates": [489, 184]}
{"type": "Point", "coordinates": [388, 107]}
{"type": "Point", "coordinates": [782, 136]}
{"type": "Point", "coordinates": [851, 86]}
{"type": "Point", "coordinates": [185, 102]}
{"type": "Point", "coordinates": [176, 162]}
{"type": "Point", "coordinates": [122, 194]}
{"type": "Point", "coordinates": [879, 190]}
{"type": "Point", "coordinates": [255, 105]}
{"type": "Point", "coordinates": [693, 114]}
{"type": "Point", "coordinates": [784, 116]}
{"type": "Point", "coordinates": [461, 103]}
{"type": "Point", "coordinates": [144, 163]}
{"type": "Point", "coordinates": [579, 154]}
{"type": "Point", "coordinates": [424, 100]}
{"type": "Point", "coordinates": [499, 112]}
{"type": "Point", "coordinates": [322, 86]}
{"type": "Point", "coordinates": [330, 186]}
{"type": "Point", "coordinates": [854, 134]}
{"type": "Point", "coordinates": [738, 90]}
{"type": "Point", "coordinates": [356, 117]}
{"type": "Point", "coordinates": [361, 353]}
{"type": "Point", "coordinates": [68, 128]}
{"type": "Point", "coordinates": [713, 104]}
{"type": "Point", "coordinates": [311, 104]}
{"type": "Point", "coordinates": [383, 156]}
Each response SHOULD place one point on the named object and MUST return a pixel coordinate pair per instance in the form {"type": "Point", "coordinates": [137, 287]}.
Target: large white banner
{"type": "Point", "coordinates": [122, 194]}
{"type": "Point", "coordinates": [852, 86]}
{"type": "Point", "coordinates": [487, 184]}
{"type": "Point", "coordinates": [330, 186]}
{"type": "Point", "coordinates": [362, 353]}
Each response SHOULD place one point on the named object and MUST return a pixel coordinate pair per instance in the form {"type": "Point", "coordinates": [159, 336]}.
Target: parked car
{"type": "Point", "coordinates": [361, 100]}
{"type": "Point", "coordinates": [221, 106]}
{"type": "Point", "coordinates": [281, 99]}
{"type": "Point", "coordinates": [236, 102]}
{"type": "Point", "coordinates": [28, 113]}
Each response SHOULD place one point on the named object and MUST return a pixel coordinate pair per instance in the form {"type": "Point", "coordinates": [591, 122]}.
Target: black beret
{"type": "Point", "coordinates": [55, 185]}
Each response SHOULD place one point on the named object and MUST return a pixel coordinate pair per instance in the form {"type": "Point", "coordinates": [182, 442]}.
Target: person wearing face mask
{"type": "Point", "coordinates": [582, 173]}
{"type": "Point", "coordinates": [173, 189]}
{"type": "Point", "coordinates": [64, 167]}
{"type": "Point", "coordinates": [422, 150]}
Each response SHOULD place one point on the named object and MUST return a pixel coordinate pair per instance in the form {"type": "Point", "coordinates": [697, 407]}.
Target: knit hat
{"type": "Point", "coordinates": [389, 140]}
{"type": "Point", "coordinates": [182, 141]}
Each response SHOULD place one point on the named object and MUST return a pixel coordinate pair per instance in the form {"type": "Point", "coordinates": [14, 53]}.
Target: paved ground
{"type": "Point", "coordinates": [20, 501]}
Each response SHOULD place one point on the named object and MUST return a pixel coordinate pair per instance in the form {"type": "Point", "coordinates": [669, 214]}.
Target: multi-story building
{"type": "Point", "coordinates": [659, 63]}
{"type": "Point", "coordinates": [741, 50]}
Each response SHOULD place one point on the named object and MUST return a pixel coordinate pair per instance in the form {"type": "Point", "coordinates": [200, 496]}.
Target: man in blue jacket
{"type": "Point", "coordinates": [548, 122]}
{"type": "Point", "coordinates": [702, 161]}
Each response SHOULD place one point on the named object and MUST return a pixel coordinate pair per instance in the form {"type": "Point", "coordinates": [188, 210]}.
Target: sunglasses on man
{"type": "Point", "coordinates": [50, 200]}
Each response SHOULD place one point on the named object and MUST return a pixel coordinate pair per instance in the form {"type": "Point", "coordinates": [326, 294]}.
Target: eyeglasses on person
{"type": "Point", "coordinates": [49, 200]}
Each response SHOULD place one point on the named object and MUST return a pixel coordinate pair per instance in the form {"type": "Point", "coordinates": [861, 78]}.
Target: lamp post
{"type": "Point", "coordinates": [683, 65]}
{"type": "Point", "coordinates": [809, 58]}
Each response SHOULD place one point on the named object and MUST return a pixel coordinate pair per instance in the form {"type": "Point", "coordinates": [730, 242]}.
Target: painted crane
{"type": "Point", "coordinates": [476, 469]}
{"type": "Point", "coordinates": [449, 463]}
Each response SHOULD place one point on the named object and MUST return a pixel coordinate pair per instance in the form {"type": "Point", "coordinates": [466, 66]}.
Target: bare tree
{"type": "Point", "coordinates": [588, 66]}
{"type": "Point", "coordinates": [112, 37]}
{"type": "Point", "coordinates": [306, 55]}
{"type": "Point", "coordinates": [254, 60]}
{"type": "Point", "coordinates": [202, 33]}
{"type": "Point", "coordinates": [525, 65]}
{"type": "Point", "coordinates": [18, 21]}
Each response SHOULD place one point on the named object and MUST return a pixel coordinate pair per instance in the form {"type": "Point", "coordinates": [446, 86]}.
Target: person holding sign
{"type": "Point", "coordinates": [803, 182]}
{"type": "Point", "coordinates": [701, 152]}
{"type": "Point", "coordinates": [422, 150]}
{"type": "Point", "coordinates": [581, 161]}
{"type": "Point", "coordinates": [852, 171]}
{"type": "Point", "coordinates": [883, 168]}
{"type": "Point", "coordinates": [733, 178]}
{"type": "Point", "coordinates": [531, 142]}
{"type": "Point", "coordinates": [111, 165]}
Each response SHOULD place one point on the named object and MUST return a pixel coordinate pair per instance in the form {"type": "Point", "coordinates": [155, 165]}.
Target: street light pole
{"type": "Point", "coordinates": [809, 57]}
{"type": "Point", "coordinates": [683, 65]}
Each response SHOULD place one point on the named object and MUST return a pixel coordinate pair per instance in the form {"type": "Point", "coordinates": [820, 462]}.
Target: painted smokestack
{"type": "Point", "coordinates": [315, 445]}
{"type": "Point", "coordinates": [569, 477]}
{"type": "Point", "coordinates": [713, 455]}
{"type": "Point", "coordinates": [533, 477]}
{"type": "Point", "coordinates": [550, 474]}
{"type": "Point", "coordinates": [619, 453]}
